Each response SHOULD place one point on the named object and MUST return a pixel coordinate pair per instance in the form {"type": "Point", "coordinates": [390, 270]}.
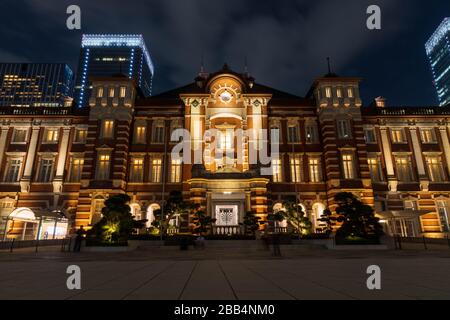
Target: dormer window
{"type": "Point", "coordinates": [350, 93]}
{"type": "Point", "coordinates": [339, 93]}
{"type": "Point", "coordinates": [100, 92]}
{"type": "Point", "coordinates": [328, 92]}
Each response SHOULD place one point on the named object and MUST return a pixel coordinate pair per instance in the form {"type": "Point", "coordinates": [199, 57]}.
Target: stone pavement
{"type": "Point", "coordinates": [208, 275]}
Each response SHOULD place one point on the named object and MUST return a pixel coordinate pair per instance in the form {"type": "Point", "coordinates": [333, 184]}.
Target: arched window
{"type": "Point", "coordinates": [150, 213]}
{"type": "Point", "coordinates": [136, 211]}
{"type": "Point", "coordinates": [97, 205]}
{"type": "Point", "coordinates": [277, 208]}
{"type": "Point", "coordinates": [318, 209]}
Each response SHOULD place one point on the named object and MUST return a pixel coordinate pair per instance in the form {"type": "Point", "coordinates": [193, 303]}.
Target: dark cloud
{"type": "Point", "coordinates": [286, 42]}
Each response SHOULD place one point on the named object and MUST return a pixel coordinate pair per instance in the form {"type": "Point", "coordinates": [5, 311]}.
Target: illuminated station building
{"type": "Point", "coordinates": [396, 159]}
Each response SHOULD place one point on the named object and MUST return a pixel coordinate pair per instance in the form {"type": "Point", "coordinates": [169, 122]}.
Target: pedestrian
{"type": "Point", "coordinates": [79, 239]}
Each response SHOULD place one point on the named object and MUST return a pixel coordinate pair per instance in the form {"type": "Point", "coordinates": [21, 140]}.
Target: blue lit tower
{"type": "Point", "coordinates": [438, 51]}
{"type": "Point", "coordinates": [105, 55]}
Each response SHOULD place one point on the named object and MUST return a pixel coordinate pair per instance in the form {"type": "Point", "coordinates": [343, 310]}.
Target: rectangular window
{"type": "Point", "coordinates": [123, 92]}
{"type": "Point", "coordinates": [339, 92]}
{"type": "Point", "coordinates": [76, 169]}
{"type": "Point", "coordinates": [344, 131]}
{"type": "Point", "coordinates": [311, 134]}
{"type": "Point", "coordinates": [80, 135]}
{"type": "Point", "coordinates": [428, 136]}
{"type": "Point", "coordinates": [370, 136]}
{"type": "Point", "coordinates": [45, 170]}
{"type": "Point", "coordinates": [328, 92]}
{"type": "Point", "coordinates": [411, 205]}
{"type": "Point", "coordinates": [376, 171]}
{"type": "Point", "coordinates": [296, 168]}
{"type": "Point", "coordinates": [293, 135]}
{"type": "Point", "coordinates": [103, 167]}
{"type": "Point", "coordinates": [137, 170]}
{"type": "Point", "coordinates": [315, 172]}
{"type": "Point", "coordinates": [51, 136]}
{"type": "Point", "coordinates": [13, 171]}
{"type": "Point", "coordinates": [404, 169]}
{"type": "Point", "coordinates": [140, 135]}
{"type": "Point", "coordinates": [276, 170]}
{"type": "Point", "coordinates": [100, 92]}
{"type": "Point", "coordinates": [175, 171]}
{"type": "Point", "coordinates": [158, 134]}
{"type": "Point", "coordinates": [443, 211]}
{"type": "Point", "coordinates": [435, 169]}
{"type": "Point", "coordinates": [350, 93]}
{"type": "Point", "coordinates": [111, 92]}
{"type": "Point", "coordinates": [156, 170]}
{"type": "Point", "coordinates": [398, 136]}
{"type": "Point", "coordinates": [20, 136]}
{"type": "Point", "coordinates": [108, 129]}
{"type": "Point", "coordinates": [348, 166]}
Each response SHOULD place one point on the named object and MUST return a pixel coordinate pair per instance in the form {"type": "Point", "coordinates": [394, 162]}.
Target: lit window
{"type": "Point", "coordinates": [225, 141]}
{"type": "Point", "coordinates": [123, 92]}
{"type": "Point", "coordinates": [13, 170]}
{"type": "Point", "coordinates": [398, 136]}
{"type": "Point", "coordinates": [276, 170]}
{"type": "Point", "coordinates": [444, 217]}
{"type": "Point", "coordinates": [111, 92]}
{"type": "Point", "coordinates": [51, 136]}
{"type": "Point", "coordinates": [435, 169]}
{"type": "Point", "coordinates": [428, 136]}
{"type": "Point", "coordinates": [370, 136]}
{"type": "Point", "coordinates": [156, 170]}
{"type": "Point", "coordinates": [20, 136]}
{"type": "Point", "coordinates": [293, 135]}
{"type": "Point", "coordinates": [348, 166]}
{"type": "Point", "coordinates": [404, 169]}
{"type": "Point", "coordinates": [140, 134]}
{"type": "Point", "coordinates": [103, 167]}
{"type": "Point", "coordinates": [80, 136]}
{"type": "Point", "coordinates": [137, 170]}
{"type": "Point", "coordinates": [100, 92]}
{"type": "Point", "coordinates": [45, 170]}
{"type": "Point", "coordinates": [376, 171]}
{"type": "Point", "coordinates": [339, 93]}
{"type": "Point", "coordinates": [350, 92]}
{"type": "Point", "coordinates": [76, 169]}
{"type": "Point", "coordinates": [108, 129]}
{"type": "Point", "coordinates": [175, 171]}
{"type": "Point", "coordinates": [296, 169]}
{"type": "Point", "coordinates": [344, 131]}
{"type": "Point", "coordinates": [328, 92]}
{"type": "Point", "coordinates": [311, 134]}
{"type": "Point", "coordinates": [315, 172]}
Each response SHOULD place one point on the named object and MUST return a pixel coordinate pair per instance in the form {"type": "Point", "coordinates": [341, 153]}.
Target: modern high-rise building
{"type": "Point", "coordinates": [35, 85]}
{"type": "Point", "coordinates": [438, 51]}
{"type": "Point", "coordinates": [105, 55]}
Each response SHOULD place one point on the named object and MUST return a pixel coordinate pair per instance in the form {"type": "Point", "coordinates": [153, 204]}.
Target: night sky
{"type": "Point", "coordinates": [286, 41]}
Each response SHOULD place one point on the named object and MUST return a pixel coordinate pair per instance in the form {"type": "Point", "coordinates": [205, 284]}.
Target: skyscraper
{"type": "Point", "coordinates": [35, 85]}
{"type": "Point", "coordinates": [438, 51]}
{"type": "Point", "coordinates": [104, 55]}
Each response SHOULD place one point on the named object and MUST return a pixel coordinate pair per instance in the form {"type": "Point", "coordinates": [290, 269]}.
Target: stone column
{"type": "Point", "coordinates": [445, 145]}
{"type": "Point", "coordinates": [31, 155]}
{"type": "Point", "coordinates": [61, 162]}
{"type": "Point", "coordinates": [392, 179]}
{"type": "Point", "coordinates": [417, 149]}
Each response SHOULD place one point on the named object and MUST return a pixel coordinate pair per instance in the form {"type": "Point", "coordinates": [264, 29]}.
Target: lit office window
{"type": "Point", "coordinates": [348, 166]}
{"type": "Point", "coordinates": [315, 172]}
{"type": "Point", "coordinates": [404, 169]}
{"type": "Point", "coordinates": [45, 170]}
{"type": "Point", "coordinates": [339, 93]}
{"type": "Point", "coordinates": [108, 129]}
{"type": "Point", "coordinates": [13, 170]}
{"type": "Point", "coordinates": [428, 136]}
{"type": "Point", "coordinates": [51, 136]}
{"type": "Point", "coordinates": [435, 169]}
{"type": "Point", "coordinates": [175, 171]}
{"type": "Point", "coordinates": [156, 170]}
{"type": "Point", "coordinates": [137, 170]}
{"type": "Point", "coordinates": [375, 169]}
{"type": "Point", "coordinates": [103, 167]}
{"type": "Point", "coordinates": [296, 168]}
{"type": "Point", "coordinates": [276, 170]}
{"type": "Point", "coordinates": [76, 169]}
{"type": "Point", "coordinates": [140, 134]}
{"type": "Point", "coordinates": [398, 136]}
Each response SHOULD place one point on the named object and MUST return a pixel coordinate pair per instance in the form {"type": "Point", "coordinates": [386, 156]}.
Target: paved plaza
{"type": "Point", "coordinates": [227, 274]}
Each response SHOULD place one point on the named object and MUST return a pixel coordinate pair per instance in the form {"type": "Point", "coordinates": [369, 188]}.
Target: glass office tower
{"type": "Point", "coordinates": [35, 85]}
{"type": "Point", "coordinates": [104, 55]}
{"type": "Point", "coordinates": [438, 51]}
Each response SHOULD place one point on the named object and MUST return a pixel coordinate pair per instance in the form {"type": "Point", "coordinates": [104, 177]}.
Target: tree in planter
{"type": "Point", "coordinates": [202, 222]}
{"type": "Point", "coordinates": [251, 223]}
{"type": "Point", "coordinates": [117, 222]}
{"type": "Point", "coordinates": [358, 219]}
{"type": "Point", "coordinates": [295, 216]}
{"type": "Point", "coordinates": [175, 207]}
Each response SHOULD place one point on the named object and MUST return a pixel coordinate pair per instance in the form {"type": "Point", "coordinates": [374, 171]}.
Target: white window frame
{"type": "Point", "coordinates": [46, 140]}
{"type": "Point", "coordinates": [103, 173]}
{"type": "Point", "coordinates": [8, 168]}
{"type": "Point", "coordinates": [15, 133]}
